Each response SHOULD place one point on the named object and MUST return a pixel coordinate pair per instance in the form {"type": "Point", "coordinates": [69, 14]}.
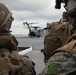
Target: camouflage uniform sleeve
{"type": "Point", "coordinates": [61, 63]}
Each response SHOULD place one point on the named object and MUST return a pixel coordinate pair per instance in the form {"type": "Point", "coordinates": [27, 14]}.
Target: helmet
{"type": "Point", "coordinates": [5, 18]}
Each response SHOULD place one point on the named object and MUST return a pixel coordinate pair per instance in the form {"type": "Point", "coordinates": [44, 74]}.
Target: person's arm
{"type": "Point", "coordinates": [60, 63]}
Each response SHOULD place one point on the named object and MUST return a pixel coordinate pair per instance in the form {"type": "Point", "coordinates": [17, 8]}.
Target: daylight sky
{"type": "Point", "coordinates": [40, 11]}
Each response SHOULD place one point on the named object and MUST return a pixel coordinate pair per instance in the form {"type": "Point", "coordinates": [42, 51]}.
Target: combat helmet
{"type": "Point", "coordinates": [5, 18]}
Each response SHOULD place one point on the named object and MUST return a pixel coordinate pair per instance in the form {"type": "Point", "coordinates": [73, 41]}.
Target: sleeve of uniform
{"type": "Point", "coordinates": [53, 66]}
{"type": "Point", "coordinates": [53, 69]}
{"type": "Point", "coordinates": [59, 64]}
